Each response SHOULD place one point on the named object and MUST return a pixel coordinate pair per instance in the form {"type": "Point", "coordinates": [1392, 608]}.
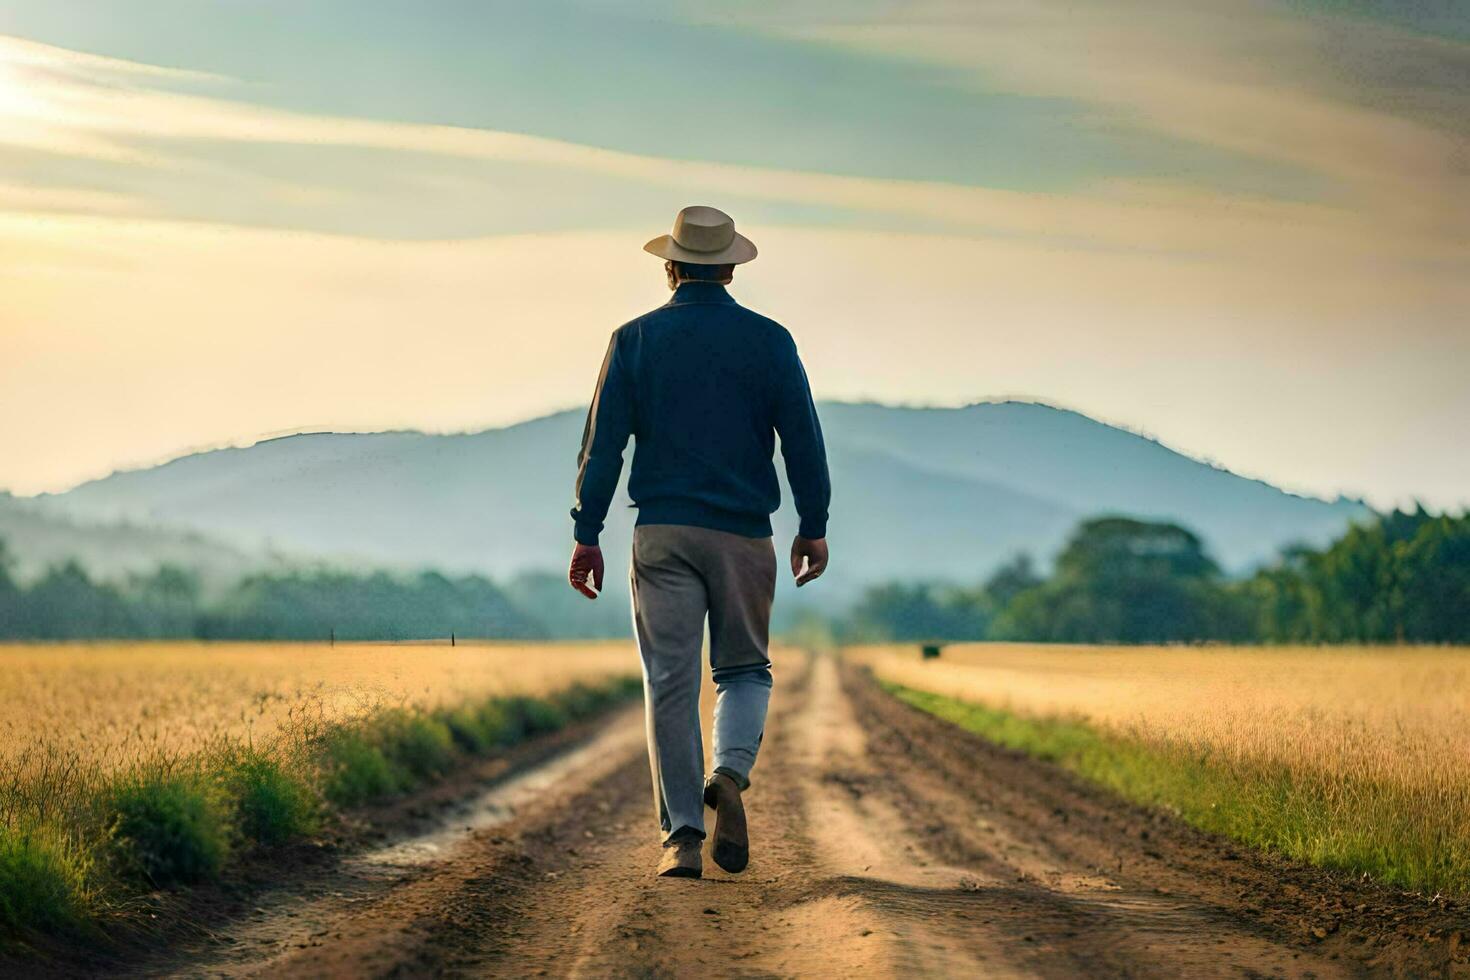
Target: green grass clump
{"type": "Point", "coordinates": [480, 729]}
{"type": "Point", "coordinates": [470, 733]}
{"type": "Point", "coordinates": [400, 748]}
{"type": "Point", "coordinates": [357, 771]}
{"type": "Point", "coordinates": [538, 716]}
{"type": "Point", "coordinates": [392, 753]}
{"type": "Point", "coordinates": [171, 827]}
{"type": "Point", "coordinates": [1331, 819]}
{"type": "Point", "coordinates": [499, 723]}
{"type": "Point", "coordinates": [421, 745]}
{"type": "Point", "coordinates": [275, 801]}
{"type": "Point", "coordinates": [585, 700]}
{"type": "Point", "coordinates": [582, 701]}
{"type": "Point", "coordinates": [45, 881]}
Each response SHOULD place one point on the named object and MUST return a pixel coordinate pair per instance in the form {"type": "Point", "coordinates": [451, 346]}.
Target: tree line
{"type": "Point", "coordinates": [1404, 578]}
{"type": "Point", "coordinates": [67, 603]}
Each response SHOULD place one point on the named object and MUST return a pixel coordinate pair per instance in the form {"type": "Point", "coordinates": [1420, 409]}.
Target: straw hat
{"type": "Point", "coordinates": [703, 236]}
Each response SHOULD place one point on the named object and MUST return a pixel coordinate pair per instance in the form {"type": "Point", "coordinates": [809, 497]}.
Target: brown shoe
{"type": "Point", "coordinates": [682, 857]}
{"type": "Point", "coordinates": [732, 845]}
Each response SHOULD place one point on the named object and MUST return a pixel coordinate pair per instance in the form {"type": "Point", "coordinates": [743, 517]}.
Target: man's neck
{"type": "Point", "coordinates": [696, 291]}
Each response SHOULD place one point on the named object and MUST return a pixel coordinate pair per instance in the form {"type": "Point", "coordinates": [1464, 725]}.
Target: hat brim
{"type": "Point", "coordinates": [740, 250]}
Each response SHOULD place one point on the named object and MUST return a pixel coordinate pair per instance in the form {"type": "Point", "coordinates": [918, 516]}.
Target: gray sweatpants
{"type": "Point", "coordinates": [681, 575]}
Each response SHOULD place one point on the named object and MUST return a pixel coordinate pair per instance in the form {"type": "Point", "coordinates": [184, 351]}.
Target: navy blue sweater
{"type": "Point", "coordinates": [704, 385]}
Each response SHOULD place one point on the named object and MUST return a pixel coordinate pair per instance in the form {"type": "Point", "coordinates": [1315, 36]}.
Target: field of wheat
{"type": "Point", "coordinates": [126, 767]}
{"type": "Point", "coordinates": [1349, 757]}
{"type": "Point", "coordinates": [120, 701]}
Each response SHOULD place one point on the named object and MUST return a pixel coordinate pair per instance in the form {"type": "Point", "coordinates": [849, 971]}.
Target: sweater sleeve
{"type": "Point", "coordinates": [802, 447]}
{"type": "Point", "coordinates": [605, 436]}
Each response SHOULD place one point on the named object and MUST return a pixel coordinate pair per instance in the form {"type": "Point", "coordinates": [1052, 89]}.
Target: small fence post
{"type": "Point", "coordinates": [451, 638]}
{"type": "Point", "coordinates": [333, 637]}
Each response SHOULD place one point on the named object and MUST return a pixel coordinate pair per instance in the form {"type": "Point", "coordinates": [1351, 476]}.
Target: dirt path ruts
{"type": "Point", "coordinates": [884, 844]}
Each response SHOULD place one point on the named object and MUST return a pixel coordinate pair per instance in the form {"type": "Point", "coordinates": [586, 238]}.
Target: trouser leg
{"type": "Point", "coordinates": [741, 699]}
{"type": "Point", "coordinates": [741, 579]}
{"type": "Point", "coordinates": [669, 607]}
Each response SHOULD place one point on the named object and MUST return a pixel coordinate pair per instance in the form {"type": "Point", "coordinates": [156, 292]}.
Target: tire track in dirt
{"type": "Point", "coordinates": [383, 912]}
{"type": "Point", "coordinates": [984, 860]}
{"type": "Point", "coordinates": [884, 843]}
{"type": "Point", "coordinates": [609, 916]}
{"type": "Point", "coordinates": [1133, 891]}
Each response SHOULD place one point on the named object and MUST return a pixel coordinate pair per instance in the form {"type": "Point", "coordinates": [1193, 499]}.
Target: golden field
{"type": "Point", "coordinates": [1396, 713]}
{"type": "Point", "coordinates": [119, 701]}
{"type": "Point", "coordinates": [125, 767]}
{"type": "Point", "coordinates": [1355, 757]}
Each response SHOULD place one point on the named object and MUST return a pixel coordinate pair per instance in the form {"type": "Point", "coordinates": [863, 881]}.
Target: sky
{"type": "Point", "coordinates": [1240, 227]}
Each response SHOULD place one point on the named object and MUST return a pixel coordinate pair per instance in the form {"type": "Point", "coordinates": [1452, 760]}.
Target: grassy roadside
{"type": "Point", "coordinates": [1333, 820]}
{"type": "Point", "coordinates": [80, 850]}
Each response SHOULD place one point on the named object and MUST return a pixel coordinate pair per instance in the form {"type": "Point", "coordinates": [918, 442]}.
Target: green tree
{"type": "Point", "coordinates": [66, 604]}
{"type": "Point", "coordinates": [902, 612]}
{"type": "Point", "coordinates": [1434, 581]}
{"type": "Point", "coordinates": [9, 594]}
{"type": "Point", "coordinates": [1402, 578]}
{"type": "Point", "coordinates": [1010, 580]}
{"type": "Point", "coordinates": [1124, 580]}
{"type": "Point", "coordinates": [1280, 601]}
{"type": "Point", "coordinates": [1107, 547]}
{"type": "Point", "coordinates": [316, 604]}
{"type": "Point", "coordinates": [165, 603]}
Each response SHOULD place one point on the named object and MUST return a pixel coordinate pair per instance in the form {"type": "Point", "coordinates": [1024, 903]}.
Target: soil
{"type": "Point", "coordinates": [884, 843]}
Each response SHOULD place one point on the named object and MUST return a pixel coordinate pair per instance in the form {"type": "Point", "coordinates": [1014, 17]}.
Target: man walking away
{"type": "Point", "coordinates": [705, 386]}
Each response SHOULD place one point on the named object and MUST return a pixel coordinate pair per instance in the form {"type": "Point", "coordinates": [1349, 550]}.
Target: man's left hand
{"type": "Point", "coordinates": [586, 567]}
{"type": "Point", "coordinates": [811, 553]}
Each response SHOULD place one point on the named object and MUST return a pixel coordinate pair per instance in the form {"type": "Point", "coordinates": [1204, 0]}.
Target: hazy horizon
{"type": "Point", "coordinates": [1237, 228]}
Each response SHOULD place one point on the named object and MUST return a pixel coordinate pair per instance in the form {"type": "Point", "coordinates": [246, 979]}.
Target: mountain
{"type": "Point", "coordinates": [920, 492]}
{"type": "Point", "coordinates": [1091, 468]}
{"type": "Point", "coordinates": [36, 538]}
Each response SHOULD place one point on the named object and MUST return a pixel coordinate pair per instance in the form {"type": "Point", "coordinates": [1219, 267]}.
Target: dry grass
{"type": "Point", "coordinates": [1349, 757]}
{"type": "Point", "coordinates": [129, 766]}
{"type": "Point", "coordinates": [120, 701]}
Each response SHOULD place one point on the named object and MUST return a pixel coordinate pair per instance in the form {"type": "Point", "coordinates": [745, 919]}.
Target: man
{"type": "Point", "coordinates": [705, 386]}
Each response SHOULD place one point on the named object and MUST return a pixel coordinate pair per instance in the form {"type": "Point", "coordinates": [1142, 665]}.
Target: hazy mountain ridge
{"type": "Point", "coordinates": [1092, 468]}
{"type": "Point", "coordinates": [931, 493]}
{"type": "Point", "coordinates": [37, 538]}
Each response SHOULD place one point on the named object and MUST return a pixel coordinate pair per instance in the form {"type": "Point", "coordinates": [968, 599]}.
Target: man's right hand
{"type": "Point", "coordinates": [809, 552]}
{"type": "Point", "coordinates": [585, 571]}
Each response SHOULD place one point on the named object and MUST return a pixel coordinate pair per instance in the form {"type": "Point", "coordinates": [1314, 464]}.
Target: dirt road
{"type": "Point", "coordinates": [884, 844]}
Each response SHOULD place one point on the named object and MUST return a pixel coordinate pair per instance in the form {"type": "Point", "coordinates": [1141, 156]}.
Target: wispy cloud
{"type": "Point", "coordinates": [1346, 98]}
{"type": "Point", "coordinates": [70, 104]}
{"type": "Point", "coordinates": [72, 200]}
{"type": "Point", "coordinates": [58, 100]}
